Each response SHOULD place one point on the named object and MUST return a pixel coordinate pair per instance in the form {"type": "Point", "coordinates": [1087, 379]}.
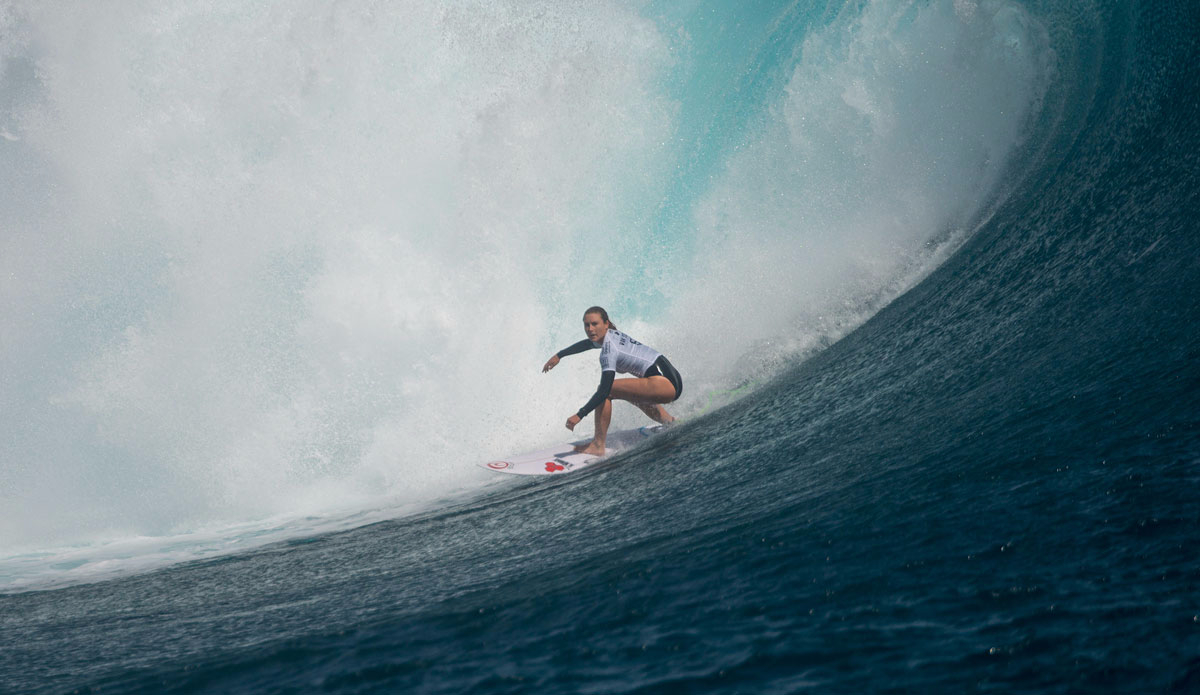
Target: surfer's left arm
{"type": "Point", "coordinates": [606, 382]}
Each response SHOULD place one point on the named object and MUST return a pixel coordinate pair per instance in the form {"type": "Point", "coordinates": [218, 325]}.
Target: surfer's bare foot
{"type": "Point", "coordinates": [591, 448]}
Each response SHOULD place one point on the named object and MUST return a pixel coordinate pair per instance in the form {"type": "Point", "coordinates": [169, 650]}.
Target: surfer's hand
{"type": "Point", "coordinates": [550, 364]}
{"type": "Point", "coordinates": [572, 421]}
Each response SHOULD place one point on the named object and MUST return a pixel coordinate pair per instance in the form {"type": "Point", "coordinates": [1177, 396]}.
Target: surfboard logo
{"type": "Point", "coordinates": [498, 465]}
{"type": "Point", "coordinates": [552, 467]}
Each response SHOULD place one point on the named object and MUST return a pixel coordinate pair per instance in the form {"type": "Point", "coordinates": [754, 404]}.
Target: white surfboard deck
{"type": "Point", "coordinates": [563, 458]}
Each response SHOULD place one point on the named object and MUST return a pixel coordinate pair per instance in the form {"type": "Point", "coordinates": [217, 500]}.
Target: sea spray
{"type": "Point", "coordinates": [286, 257]}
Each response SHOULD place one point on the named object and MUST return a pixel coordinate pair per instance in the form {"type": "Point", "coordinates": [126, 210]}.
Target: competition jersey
{"type": "Point", "coordinates": [624, 355]}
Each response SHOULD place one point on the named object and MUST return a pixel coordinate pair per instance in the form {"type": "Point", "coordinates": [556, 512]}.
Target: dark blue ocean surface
{"type": "Point", "coordinates": [991, 485]}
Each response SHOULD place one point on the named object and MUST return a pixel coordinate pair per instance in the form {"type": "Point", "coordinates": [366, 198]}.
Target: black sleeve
{"type": "Point", "coordinates": [606, 382]}
{"type": "Point", "coordinates": [582, 346]}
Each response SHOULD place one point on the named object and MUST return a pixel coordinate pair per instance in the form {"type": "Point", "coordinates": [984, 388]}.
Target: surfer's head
{"type": "Point", "coordinates": [596, 323]}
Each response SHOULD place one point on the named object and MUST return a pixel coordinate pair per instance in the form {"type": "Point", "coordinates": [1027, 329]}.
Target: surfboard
{"type": "Point", "coordinates": [563, 458]}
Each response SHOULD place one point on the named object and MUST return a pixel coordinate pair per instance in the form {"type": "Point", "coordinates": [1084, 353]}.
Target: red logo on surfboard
{"type": "Point", "coordinates": [552, 467]}
{"type": "Point", "coordinates": [498, 465]}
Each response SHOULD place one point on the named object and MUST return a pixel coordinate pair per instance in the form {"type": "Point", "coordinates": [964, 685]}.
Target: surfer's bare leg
{"type": "Point", "coordinates": [652, 389]}
{"type": "Point", "coordinates": [656, 413]}
{"type": "Point", "coordinates": [646, 393]}
{"type": "Point", "coordinates": [602, 416]}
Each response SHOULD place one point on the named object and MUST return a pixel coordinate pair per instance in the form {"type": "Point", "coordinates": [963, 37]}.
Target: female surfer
{"type": "Point", "coordinates": [654, 380]}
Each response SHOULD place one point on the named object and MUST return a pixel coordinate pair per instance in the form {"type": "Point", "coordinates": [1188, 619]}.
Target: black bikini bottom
{"type": "Point", "coordinates": [663, 367]}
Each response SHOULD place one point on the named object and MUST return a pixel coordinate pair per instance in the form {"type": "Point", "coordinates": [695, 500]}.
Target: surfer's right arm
{"type": "Point", "coordinates": [581, 346]}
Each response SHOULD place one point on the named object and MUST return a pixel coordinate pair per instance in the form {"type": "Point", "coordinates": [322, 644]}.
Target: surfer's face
{"type": "Point", "coordinates": [595, 327]}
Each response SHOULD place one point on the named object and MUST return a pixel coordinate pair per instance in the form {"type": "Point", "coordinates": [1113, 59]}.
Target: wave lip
{"type": "Point", "coordinates": [891, 140]}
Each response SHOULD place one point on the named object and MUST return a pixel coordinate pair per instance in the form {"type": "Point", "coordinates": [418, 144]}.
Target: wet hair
{"type": "Point", "coordinates": [603, 315]}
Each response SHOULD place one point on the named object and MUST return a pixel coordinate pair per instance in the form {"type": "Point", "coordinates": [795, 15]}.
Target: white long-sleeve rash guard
{"type": "Point", "coordinates": [618, 353]}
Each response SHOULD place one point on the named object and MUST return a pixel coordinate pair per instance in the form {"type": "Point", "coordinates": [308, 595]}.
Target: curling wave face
{"type": "Point", "coordinates": [287, 262]}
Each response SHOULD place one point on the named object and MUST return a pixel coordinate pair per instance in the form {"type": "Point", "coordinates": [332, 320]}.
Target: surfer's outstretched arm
{"type": "Point", "coordinates": [582, 346]}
